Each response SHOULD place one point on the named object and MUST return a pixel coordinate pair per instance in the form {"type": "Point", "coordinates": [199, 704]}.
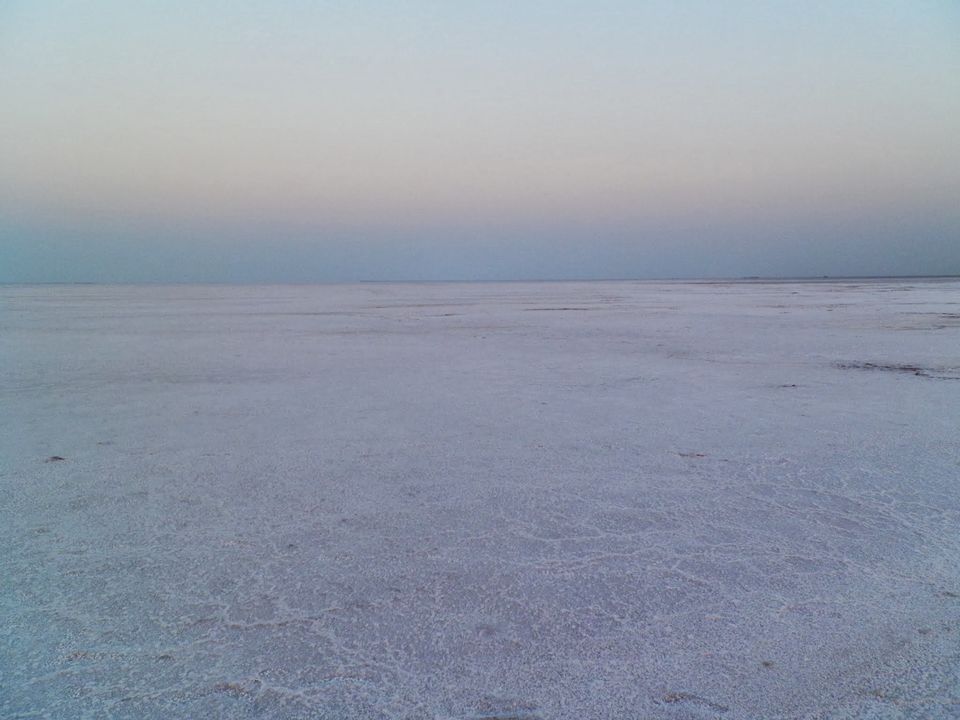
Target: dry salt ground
{"type": "Point", "coordinates": [551, 500]}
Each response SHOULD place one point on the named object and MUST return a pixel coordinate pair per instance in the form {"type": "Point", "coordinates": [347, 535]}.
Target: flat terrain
{"type": "Point", "coordinates": [552, 500]}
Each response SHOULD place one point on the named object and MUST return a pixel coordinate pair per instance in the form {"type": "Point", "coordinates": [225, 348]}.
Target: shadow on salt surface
{"type": "Point", "coordinates": [493, 710]}
{"type": "Point", "coordinates": [690, 700]}
{"type": "Point", "coordinates": [934, 373]}
{"type": "Point", "coordinates": [926, 321]}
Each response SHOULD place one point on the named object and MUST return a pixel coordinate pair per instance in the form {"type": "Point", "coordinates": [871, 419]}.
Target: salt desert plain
{"type": "Point", "coordinates": [544, 500]}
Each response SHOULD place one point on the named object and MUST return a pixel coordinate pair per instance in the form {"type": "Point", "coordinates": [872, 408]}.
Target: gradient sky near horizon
{"type": "Point", "coordinates": [429, 140]}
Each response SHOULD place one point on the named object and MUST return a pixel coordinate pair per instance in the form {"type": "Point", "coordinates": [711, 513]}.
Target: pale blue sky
{"type": "Point", "coordinates": [316, 141]}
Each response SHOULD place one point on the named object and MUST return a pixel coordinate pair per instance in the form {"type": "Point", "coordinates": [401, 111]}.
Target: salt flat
{"type": "Point", "coordinates": [550, 500]}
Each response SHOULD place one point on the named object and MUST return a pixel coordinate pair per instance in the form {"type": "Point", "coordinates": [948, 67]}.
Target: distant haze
{"type": "Point", "coordinates": [300, 141]}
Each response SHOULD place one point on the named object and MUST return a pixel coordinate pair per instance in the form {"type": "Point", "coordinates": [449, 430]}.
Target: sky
{"type": "Point", "coordinates": [295, 141]}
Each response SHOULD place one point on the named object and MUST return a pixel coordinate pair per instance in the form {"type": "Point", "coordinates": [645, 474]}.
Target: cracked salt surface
{"type": "Point", "coordinates": [641, 500]}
